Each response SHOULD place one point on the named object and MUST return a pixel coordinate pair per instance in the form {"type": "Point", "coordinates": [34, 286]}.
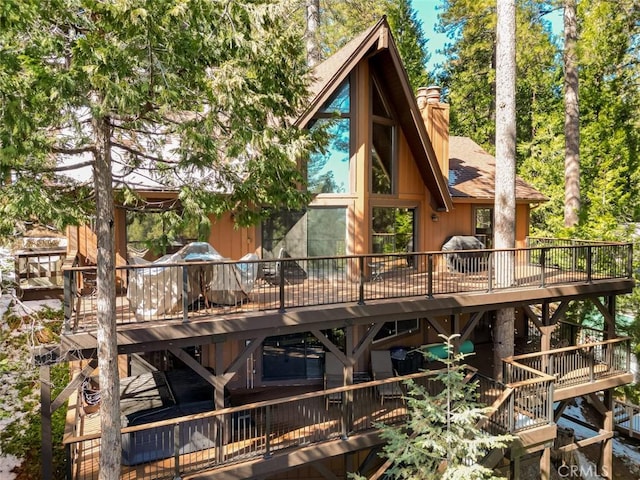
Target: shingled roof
{"type": "Point", "coordinates": [472, 174]}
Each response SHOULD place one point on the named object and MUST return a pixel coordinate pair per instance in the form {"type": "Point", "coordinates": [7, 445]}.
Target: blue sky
{"type": "Point", "coordinates": [428, 15]}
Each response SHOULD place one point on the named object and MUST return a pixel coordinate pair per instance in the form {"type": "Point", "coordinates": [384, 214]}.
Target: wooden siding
{"type": "Point", "coordinates": [232, 242]}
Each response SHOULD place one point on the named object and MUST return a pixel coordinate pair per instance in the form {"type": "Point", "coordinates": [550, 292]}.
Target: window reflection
{"type": "Point", "coordinates": [328, 172]}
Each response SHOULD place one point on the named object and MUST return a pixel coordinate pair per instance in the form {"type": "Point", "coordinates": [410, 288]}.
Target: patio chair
{"type": "Point", "coordinates": [333, 377]}
{"type": "Point", "coordinates": [382, 368]}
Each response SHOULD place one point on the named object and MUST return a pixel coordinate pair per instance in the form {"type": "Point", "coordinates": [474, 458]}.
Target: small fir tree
{"type": "Point", "coordinates": [441, 438]}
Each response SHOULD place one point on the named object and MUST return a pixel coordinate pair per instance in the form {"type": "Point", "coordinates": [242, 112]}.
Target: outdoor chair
{"type": "Point", "coordinates": [382, 368]}
{"type": "Point", "coordinates": [333, 377]}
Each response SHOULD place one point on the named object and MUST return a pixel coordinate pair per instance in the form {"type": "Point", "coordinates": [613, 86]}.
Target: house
{"type": "Point", "coordinates": [361, 269]}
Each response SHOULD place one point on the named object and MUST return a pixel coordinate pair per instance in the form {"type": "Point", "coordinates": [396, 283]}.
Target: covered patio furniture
{"type": "Point", "coordinates": [465, 262]}
{"type": "Point", "coordinates": [157, 289]}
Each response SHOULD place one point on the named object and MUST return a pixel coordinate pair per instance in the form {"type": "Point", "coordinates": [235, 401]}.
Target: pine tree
{"type": "Point", "coordinates": [198, 96]}
{"type": "Point", "coordinates": [441, 439]}
{"type": "Point", "coordinates": [341, 20]}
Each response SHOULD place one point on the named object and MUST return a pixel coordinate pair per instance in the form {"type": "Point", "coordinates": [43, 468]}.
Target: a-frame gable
{"type": "Point", "coordinates": [377, 46]}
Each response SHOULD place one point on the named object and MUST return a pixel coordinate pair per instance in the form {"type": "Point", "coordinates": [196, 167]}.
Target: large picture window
{"type": "Point", "coordinates": [316, 232]}
{"type": "Point", "coordinates": [328, 171]}
{"type": "Point", "coordinates": [295, 356]}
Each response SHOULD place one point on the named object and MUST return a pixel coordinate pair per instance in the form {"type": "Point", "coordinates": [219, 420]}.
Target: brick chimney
{"type": "Point", "coordinates": [436, 118]}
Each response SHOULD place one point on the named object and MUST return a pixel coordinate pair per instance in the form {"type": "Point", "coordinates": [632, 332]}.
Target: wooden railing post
{"type": "Point", "coordinates": [280, 272]}
{"type": "Point", "coordinates": [267, 432]}
{"type": "Point", "coordinates": [185, 295]}
{"type": "Point", "coordinates": [550, 412]}
{"type": "Point", "coordinates": [630, 260]}
{"type": "Point", "coordinates": [490, 272]}
{"type": "Point", "coordinates": [430, 275]}
{"type": "Point", "coordinates": [512, 411]}
{"type": "Point", "coordinates": [176, 450]}
{"type": "Point", "coordinates": [69, 294]}
{"type": "Point", "coordinates": [589, 263]}
{"type": "Point", "coordinates": [361, 286]}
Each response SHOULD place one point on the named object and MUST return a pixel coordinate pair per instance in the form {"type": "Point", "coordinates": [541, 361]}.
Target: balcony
{"type": "Point", "coordinates": [287, 430]}
{"type": "Point", "coordinates": [184, 291]}
{"type": "Point", "coordinates": [289, 427]}
{"type": "Point", "coordinates": [290, 430]}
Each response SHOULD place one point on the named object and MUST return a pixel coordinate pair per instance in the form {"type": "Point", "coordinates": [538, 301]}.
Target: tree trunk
{"type": "Point", "coordinates": [312, 10]}
{"type": "Point", "coordinates": [110, 451]}
{"type": "Point", "coordinates": [571, 118]}
{"type": "Point", "coordinates": [505, 201]}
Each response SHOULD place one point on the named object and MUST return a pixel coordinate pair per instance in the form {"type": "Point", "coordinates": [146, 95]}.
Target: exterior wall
{"type": "Point", "coordinates": [522, 224]}
{"type": "Point", "coordinates": [232, 242]}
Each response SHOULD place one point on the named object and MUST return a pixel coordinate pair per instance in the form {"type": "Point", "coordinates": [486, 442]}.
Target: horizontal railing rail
{"type": "Point", "coordinates": [171, 448]}
{"type": "Point", "coordinates": [190, 289]}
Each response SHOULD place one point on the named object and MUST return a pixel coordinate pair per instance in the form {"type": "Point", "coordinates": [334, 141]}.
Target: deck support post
{"type": "Point", "coordinates": [545, 464]}
{"type": "Point", "coordinates": [605, 462]}
{"type": "Point", "coordinates": [514, 464]}
{"type": "Point", "coordinates": [46, 468]}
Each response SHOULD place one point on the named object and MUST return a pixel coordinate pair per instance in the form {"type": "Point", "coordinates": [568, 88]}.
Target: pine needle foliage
{"type": "Point", "coordinates": [441, 438]}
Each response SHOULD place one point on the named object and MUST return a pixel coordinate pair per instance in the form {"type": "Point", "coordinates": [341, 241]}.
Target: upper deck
{"type": "Point", "coordinates": [183, 301]}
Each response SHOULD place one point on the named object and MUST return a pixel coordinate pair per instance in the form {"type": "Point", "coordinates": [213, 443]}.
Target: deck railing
{"type": "Point", "coordinates": [39, 268]}
{"type": "Point", "coordinates": [190, 289]}
{"type": "Point", "coordinates": [626, 417]}
{"type": "Point", "coordinates": [172, 448]}
{"type": "Point", "coordinates": [530, 402]}
{"type": "Point", "coordinates": [579, 364]}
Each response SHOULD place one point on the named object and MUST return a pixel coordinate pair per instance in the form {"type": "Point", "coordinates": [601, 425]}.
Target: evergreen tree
{"type": "Point", "coordinates": [197, 96]}
{"type": "Point", "coordinates": [469, 72]}
{"type": "Point", "coordinates": [441, 438]}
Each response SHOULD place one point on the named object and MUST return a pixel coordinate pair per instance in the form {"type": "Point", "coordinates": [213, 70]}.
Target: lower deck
{"type": "Point", "coordinates": [285, 422]}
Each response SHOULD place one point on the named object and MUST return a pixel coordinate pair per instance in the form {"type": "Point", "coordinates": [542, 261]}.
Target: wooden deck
{"type": "Point", "coordinates": [275, 427]}
{"type": "Point", "coordinates": [186, 292]}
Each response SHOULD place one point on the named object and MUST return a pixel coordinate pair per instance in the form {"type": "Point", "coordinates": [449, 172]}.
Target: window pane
{"type": "Point", "coordinates": [292, 356]}
{"type": "Point", "coordinates": [378, 107]}
{"type": "Point", "coordinates": [329, 172]}
{"type": "Point", "coordinates": [283, 230]}
{"type": "Point", "coordinates": [484, 226]}
{"type": "Point", "coordinates": [393, 230]}
{"type": "Point", "coordinates": [327, 229]}
{"type": "Point", "coordinates": [382, 159]}
{"type": "Point", "coordinates": [340, 102]}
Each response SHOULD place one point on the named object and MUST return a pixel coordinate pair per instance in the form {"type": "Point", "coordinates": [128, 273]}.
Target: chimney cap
{"type": "Point", "coordinates": [433, 93]}
{"type": "Point", "coordinates": [425, 95]}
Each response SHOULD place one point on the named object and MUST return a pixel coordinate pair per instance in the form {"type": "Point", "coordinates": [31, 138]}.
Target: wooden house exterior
{"type": "Point", "coordinates": [392, 188]}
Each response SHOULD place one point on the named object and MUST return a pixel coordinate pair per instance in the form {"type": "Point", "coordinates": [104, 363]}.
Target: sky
{"type": "Point", "coordinates": [428, 15]}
